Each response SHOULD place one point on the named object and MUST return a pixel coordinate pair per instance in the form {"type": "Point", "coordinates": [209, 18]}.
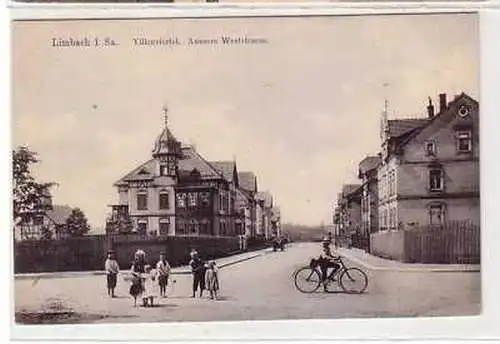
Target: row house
{"type": "Point", "coordinates": [347, 216]}
{"type": "Point", "coordinates": [178, 192]}
{"type": "Point", "coordinates": [429, 171]}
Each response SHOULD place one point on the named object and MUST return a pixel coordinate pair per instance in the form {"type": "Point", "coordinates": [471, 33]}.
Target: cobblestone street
{"type": "Point", "coordinates": [258, 289]}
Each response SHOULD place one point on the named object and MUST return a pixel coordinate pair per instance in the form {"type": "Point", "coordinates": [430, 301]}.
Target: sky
{"type": "Point", "coordinates": [300, 111]}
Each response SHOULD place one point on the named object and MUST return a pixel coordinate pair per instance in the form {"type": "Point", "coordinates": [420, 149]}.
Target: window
{"type": "Point", "coordinates": [142, 226]}
{"type": "Point", "coordinates": [436, 214]}
{"type": "Point", "coordinates": [204, 229]}
{"type": "Point", "coordinates": [164, 226]}
{"type": "Point", "coordinates": [163, 170]}
{"type": "Point", "coordinates": [142, 200]}
{"type": "Point", "coordinates": [180, 226]}
{"type": "Point", "coordinates": [430, 148]}
{"type": "Point", "coordinates": [464, 141]}
{"type": "Point", "coordinates": [205, 199]}
{"type": "Point", "coordinates": [436, 180]}
{"type": "Point", "coordinates": [192, 227]}
{"type": "Point", "coordinates": [192, 199]}
{"type": "Point", "coordinates": [181, 200]}
{"type": "Point", "coordinates": [38, 220]}
{"type": "Point", "coordinates": [164, 201]}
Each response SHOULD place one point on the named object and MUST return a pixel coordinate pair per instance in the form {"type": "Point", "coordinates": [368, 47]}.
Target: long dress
{"type": "Point", "coordinates": [137, 287]}
{"type": "Point", "coordinates": [212, 279]}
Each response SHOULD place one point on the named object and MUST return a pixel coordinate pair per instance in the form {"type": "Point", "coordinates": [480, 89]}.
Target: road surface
{"type": "Point", "coordinates": [257, 289]}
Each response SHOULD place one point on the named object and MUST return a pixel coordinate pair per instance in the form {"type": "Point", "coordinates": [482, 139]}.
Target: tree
{"type": "Point", "coordinates": [29, 197]}
{"type": "Point", "coordinates": [76, 223]}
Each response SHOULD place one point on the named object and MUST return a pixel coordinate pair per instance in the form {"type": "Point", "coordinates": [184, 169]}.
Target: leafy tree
{"type": "Point", "coordinates": [76, 223]}
{"type": "Point", "coordinates": [120, 224]}
{"type": "Point", "coordinates": [29, 197]}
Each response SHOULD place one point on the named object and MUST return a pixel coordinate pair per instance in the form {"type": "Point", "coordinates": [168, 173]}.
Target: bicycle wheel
{"type": "Point", "coordinates": [353, 280]}
{"type": "Point", "coordinates": [307, 280]}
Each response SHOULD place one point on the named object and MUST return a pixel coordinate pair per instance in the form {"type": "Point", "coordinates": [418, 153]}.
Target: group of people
{"type": "Point", "coordinates": [144, 276]}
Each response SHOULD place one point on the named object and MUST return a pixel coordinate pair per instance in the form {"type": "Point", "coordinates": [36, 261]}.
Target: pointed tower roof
{"type": "Point", "coordinates": [166, 143]}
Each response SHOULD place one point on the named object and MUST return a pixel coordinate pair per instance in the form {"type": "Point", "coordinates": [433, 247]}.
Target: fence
{"type": "Point", "coordinates": [456, 242]}
{"type": "Point", "coordinates": [88, 253]}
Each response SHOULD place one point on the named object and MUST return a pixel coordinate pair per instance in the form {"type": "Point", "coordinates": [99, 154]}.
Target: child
{"type": "Point", "coordinates": [148, 294]}
{"type": "Point", "coordinates": [212, 279]}
{"type": "Point", "coordinates": [112, 269]}
{"type": "Point", "coordinates": [163, 273]}
{"type": "Point", "coordinates": [137, 270]}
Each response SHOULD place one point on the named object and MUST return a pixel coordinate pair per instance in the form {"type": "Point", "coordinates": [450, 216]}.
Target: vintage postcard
{"type": "Point", "coordinates": [250, 168]}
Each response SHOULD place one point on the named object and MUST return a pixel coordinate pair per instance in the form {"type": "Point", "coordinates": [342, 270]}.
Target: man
{"type": "Point", "coordinates": [327, 260]}
{"type": "Point", "coordinates": [198, 270]}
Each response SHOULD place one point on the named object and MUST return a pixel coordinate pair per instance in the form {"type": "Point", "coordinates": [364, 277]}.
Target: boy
{"type": "Point", "coordinates": [163, 272]}
{"type": "Point", "coordinates": [112, 269]}
{"type": "Point", "coordinates": [327, 260]}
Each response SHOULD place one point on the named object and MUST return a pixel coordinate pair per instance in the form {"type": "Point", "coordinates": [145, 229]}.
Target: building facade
{"type": "Point", "coordinates": [369, 197]}
{"type": "Point", "coordinates": [178, 192]}
{"type": "Point", "coordinates": [429, 171]}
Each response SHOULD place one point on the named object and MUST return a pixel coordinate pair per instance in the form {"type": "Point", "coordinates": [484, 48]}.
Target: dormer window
{"type": "Point", "coordinates": [430, 148]}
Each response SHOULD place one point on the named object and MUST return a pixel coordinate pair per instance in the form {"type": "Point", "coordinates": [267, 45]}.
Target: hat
{"type": "Point", "coordinates": [139, 253]}
{"type": "Point", "coordinates": [163, 253]}
{"type": "Point", "coordinates": [193, 253]}
{"type": "Point", "coordinates": [111, 251]}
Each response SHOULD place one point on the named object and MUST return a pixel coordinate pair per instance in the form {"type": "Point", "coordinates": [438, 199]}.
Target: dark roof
{"type": "Point", "coordinates": [368, 163]}
{"type": "Point", "coordinates": [59, 214]}
{"type": "Point", "coordinates": [166, 143]}
{"type": "Point", "coordinates": [193, 160]}
{"type": "Point", "coordinates": [226, 168]}
{"type": "Point", "coordinates": [248, 181]}
{"type": "Point", "coordinates": [400, 127]}
{"type": "Point", "coordinates": [429, 121]}
{"type": "Point", "coordinates": [348, 189]}
{"type": "Point", "coordinates": [143, 172]}
{"type": "Point", "coordinates": [266, 197]}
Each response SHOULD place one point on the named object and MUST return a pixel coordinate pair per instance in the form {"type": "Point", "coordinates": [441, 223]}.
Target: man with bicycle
{"type": "Point", "coordinates": [327, 260]}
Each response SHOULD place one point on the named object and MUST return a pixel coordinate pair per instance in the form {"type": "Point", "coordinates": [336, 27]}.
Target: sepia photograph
{"type": "Point", "coordinates": [245, 168]}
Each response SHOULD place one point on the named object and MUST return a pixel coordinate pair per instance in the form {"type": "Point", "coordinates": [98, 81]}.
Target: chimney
{"type": "Point", "coordinates": [442, 102]}
{"type": "Point", "coordinates": [430, 108]}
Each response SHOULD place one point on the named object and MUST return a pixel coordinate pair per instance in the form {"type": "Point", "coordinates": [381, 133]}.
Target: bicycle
{"type": "Point", "coordinates": [308, 278]}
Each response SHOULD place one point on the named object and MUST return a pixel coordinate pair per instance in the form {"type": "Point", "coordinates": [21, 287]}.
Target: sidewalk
{"type": "Point", "coordinates": [374, 263]}
{"type": "Point", "coordinates": [181, 270]}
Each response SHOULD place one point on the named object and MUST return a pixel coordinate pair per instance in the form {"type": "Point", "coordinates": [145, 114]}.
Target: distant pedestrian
{"type": "Point", "coordinates": [112, 269]}
{"type": "Point", "coordinates": [212, 280]}
{"type": "Point", "coordinates": [198, 270]}
{"type": "Point", "coordinates": [149, 294]}
{"type": "Point", "coordinates": [163, 273]}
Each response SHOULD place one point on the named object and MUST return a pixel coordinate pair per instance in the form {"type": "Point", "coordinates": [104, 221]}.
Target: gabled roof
{"type": "Point", "coordinates": [227, 169]}
{"type": "Point", "coordinates": [348, 189]}
{"type": "Point", "coordinates": [193, 160]}
{"type": "Point", "coordinates": [59, 214]}
{"type": "Point", "coordinates": [400, 127]}
{"type": "Point", "coordinates": [144, 172]}
{"type": "Point", "coordinates": [266, 197]}
{"type": "Point", "coordinates": [428, 122]}
{"type": "Point", "coordinates": [368, 163]}
{"type": "Point", "coordinates": [248, 181]}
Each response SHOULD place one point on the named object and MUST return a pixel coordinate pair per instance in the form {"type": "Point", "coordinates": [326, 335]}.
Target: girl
{"type": "Point", "coordinates": [137, 270]}
{"type": "Point", "coordinates": [212, 280]}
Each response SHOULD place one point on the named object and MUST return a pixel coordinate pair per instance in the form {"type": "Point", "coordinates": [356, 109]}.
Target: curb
{"type": "Point", "coordinates": [68, 274]}
{"type": "Point", "coordinates": [466, 268]}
